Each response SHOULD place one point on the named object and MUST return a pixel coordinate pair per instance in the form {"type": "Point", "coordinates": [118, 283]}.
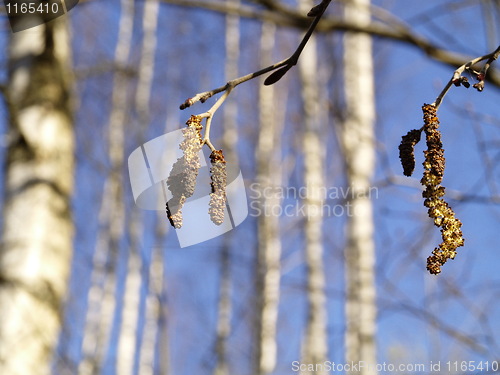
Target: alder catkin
{"type": "Point", "coordinates": [407, 151]}
{"type": "Point", "coordinates": [174, 215]}
{"type": "Point", "coordinates": [182, 178]}
{"type": "Point", "coordinates": [439, 210]}
{"type": "Point", "coordinates": [218, 174]}
{"type": "Point", "coordinates": [191, 145]}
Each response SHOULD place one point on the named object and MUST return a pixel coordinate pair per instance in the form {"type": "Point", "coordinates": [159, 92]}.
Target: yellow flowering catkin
{"type": "Point", "coordinates": [438, 209]}
{"type": "Point", "coordinates": [218, 175]}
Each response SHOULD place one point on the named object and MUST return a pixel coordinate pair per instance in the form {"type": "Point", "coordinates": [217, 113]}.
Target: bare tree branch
{"type": "Point", "coordinates": [284, 64]}
{"type": "Point", "coordinates": [458, 80]}
{"type": "Point", "coordinates": [291, 18]}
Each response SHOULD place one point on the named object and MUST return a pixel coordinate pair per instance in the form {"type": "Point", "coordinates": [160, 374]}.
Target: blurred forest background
{"type": "Point", "coordinates": [330, 263]}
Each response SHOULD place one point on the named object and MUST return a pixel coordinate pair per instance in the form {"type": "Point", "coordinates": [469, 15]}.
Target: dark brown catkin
{"type": "Point", "coordinates": [407, 151]}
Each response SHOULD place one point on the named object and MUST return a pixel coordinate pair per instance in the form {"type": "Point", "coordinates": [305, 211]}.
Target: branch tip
{"type": "Point", "coordinates": [276, 76]}
{"type": "Point", "coordinates": [317, 9]}
{"type": "Point", "coordinates": [458, 80]}
{"type": "Point", "coordinates": [188, 103]}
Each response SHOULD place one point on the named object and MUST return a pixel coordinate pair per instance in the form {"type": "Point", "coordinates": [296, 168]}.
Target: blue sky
{"type": "Point", "coordinates": [415, 309]}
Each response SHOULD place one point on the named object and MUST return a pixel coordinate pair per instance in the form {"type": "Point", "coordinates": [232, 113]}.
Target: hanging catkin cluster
{"type": "Point", "coordinates": [182, 179]}
{"type": "Point", "coordinates": [439, 210]}
{"type": "Point", "coordinates": [218, 175]}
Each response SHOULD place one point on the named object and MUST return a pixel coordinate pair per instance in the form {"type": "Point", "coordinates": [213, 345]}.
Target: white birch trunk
{"type": "Point", "coordinates": [149, 336]}
{"type": "Point", "coordinates": [269, 253]}
{"type": "Point", "coordinates": [230, 136]}
{"type": "Point", "coordinates": [224, 311]}
{"type": "Point", "coordinates": [229, 140]}
{"type": "Point", "coordinates": [102, 298]}
{"type": "Point", "coordinates": [359, 150]}
{"type": "Point", "coordinates": [147, 63]}
{"type": "Point", "coordinates": [162, 321]}
{"type": "Point", "coordinates": [131, 301]}
{"type": "Point", "coordinates": [36, 248]}
{"type": "Point", "coordinates": [152, 317]}
{"type": "Point", "coordinates": [315, 344]}
{"type": "Point", "coordinates": [130, 316]}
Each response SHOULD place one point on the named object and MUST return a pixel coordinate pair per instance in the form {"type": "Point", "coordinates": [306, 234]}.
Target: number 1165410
{"type": "Point", "coordinates": [36, 7]}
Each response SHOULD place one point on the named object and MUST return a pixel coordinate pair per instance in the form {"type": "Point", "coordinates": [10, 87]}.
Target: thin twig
{"type": "Point", "coordinates": [289, 62]}
{"type": "Point", "coordinates": [457, 78]}
{"type": "Point", "coordinates": [482, 74]}
{"type": "Point", "coordinates": [209, 115]}
{"type": "Point", "coordinates": [321, 8]}
{"type": "Point", "coordinates": [203, 96]}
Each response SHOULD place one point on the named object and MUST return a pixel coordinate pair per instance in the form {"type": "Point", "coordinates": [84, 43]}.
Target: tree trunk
{"type": "Point", "coordinates": [102, 295]}
{"type": "Point", "coordinates": [315, 344]}
{"type": "Point", "coordinates": [152, 308]}
{"type": "Point", "coordinates": [131, 303]}
{"type": "Point", "coordinates": [269, 252]}
{"type": "Point", "coordinates": [36, 248]}
{"type": "Point", "coordinates": [229, 140]}
{"type": "Point", "coordinates": [224, 312]}
{"type": "Point", "coordinates": [357, 140]}
{"type": "Point", "coordinates": [131, 300]}
{"type": "Point", "coordinates": [152, 317]}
